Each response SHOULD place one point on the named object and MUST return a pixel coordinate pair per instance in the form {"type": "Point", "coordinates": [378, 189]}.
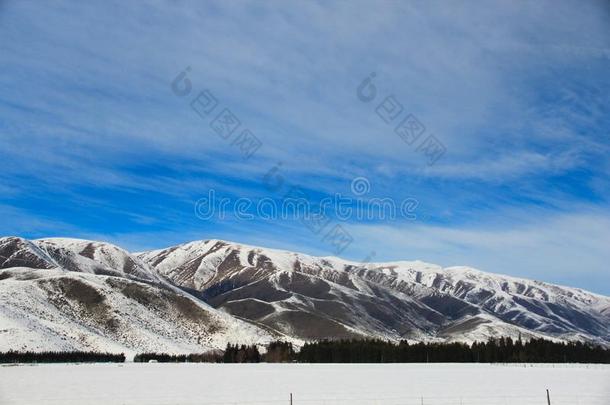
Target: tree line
{"type": "Point", "coordinates": [60, 357]}
{"type": "Point", "coordinates": [502, 350]}
{"type": "Point", "coordinates": [275, 352]}
{"type": "Point", "coordinates": [207, 357]}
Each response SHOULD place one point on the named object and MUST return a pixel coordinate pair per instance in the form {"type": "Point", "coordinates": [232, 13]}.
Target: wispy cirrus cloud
{"type": "Point", "coordinates": [568, 249]}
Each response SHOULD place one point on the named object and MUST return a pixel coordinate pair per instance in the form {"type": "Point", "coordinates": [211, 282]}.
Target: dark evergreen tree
{"type": "Point", "coordinates": [60, 357]}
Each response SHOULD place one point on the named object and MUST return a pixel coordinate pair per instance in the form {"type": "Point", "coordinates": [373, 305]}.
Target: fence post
{"type": "Point", "coordinates": [548, 397]}
{"type": "Point", "coordinates": [291, 398]}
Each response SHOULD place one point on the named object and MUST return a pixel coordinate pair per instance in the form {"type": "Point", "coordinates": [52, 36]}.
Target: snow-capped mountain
{"type": "Point", "coordinates": [316, 297]}
{"type": "Point", "coordinates": [67, 294]}
{"type": "Point", "coordinates": [77, 294]}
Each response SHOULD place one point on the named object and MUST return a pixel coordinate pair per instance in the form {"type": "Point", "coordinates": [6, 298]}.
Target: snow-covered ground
{"type": "Point", "coordinates": [310, 384]}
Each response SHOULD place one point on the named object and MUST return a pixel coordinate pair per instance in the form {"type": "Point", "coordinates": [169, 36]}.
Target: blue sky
{"type": "Point", "coordinates": [96, 145]}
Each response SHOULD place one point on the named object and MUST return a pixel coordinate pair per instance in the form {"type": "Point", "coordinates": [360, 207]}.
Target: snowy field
{"type": "Point", "coordinates": [310, 384]}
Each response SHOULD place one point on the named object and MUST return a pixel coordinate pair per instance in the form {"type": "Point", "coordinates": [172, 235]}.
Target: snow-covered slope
{"type": "Point", "coordinates": [15, 252]}
{"type": "Point", "coordinates": [58, 310]}
{"type": "Point", "coordinates": [71, 294]}
{"type": "Point", "coordinates": [96, 258]}
{"type": "Point", "coordinates": [77, 255]}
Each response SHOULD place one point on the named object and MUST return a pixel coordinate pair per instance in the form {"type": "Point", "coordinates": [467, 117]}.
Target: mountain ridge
{"type": "Point", "coordinates": [370, 263]}
{"type": "Point", "coordinates": [415, 279]}
{"type": "Point", "coordinates": [257, 294]}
